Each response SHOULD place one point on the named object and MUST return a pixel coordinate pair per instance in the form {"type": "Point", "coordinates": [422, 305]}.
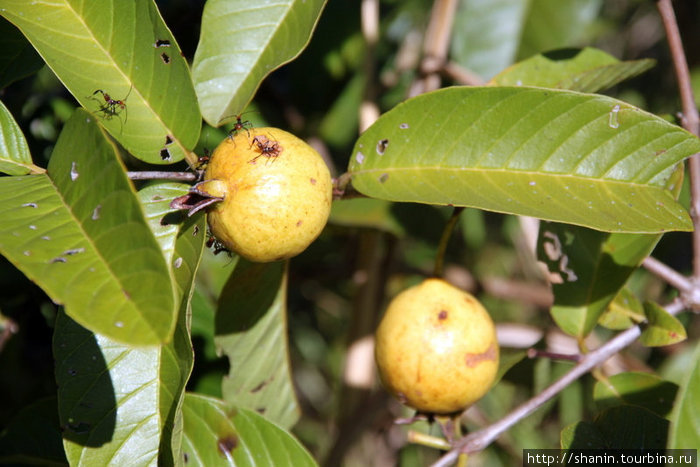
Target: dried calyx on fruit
{"type": "Point", "coordinates": [267, 192]}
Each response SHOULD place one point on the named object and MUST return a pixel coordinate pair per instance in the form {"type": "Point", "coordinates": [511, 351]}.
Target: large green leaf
{"type": "Point", "coordinates": [623, 312]}
{"type": "Point", "coordinates": [486, 34]}
{"type": "Point", "coordinates": [113, 46]}
{"type": "Point", "coordinates": [121, 404]}
{"type": "Point", "coordinates": [592, 267]}
{"type": "Point", "coordinates": [585, 70]}
{"type": "Point", "coordinates": [557, 155]}
{"type": "Point", "coordinates": [80, 234]}
{"type": "Point", "coordinates": [14, 152]}
{"type": "Point", "coordinates": [220, 436]}
{"type": "Point", "coordinates": [241, 43]}
{"type": "Point", "coordinates": [182, 241]}
{"type": "Point", "coordinates": [251, 330]}
{"type": "Point", "coordinates": [685, 419]}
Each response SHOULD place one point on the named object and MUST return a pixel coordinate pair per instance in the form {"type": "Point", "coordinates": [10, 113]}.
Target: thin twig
{"type": "Point", "coordinates": [369, 110]}
{"type": "Point", "coordinates": [690, 120]}
{"type": "Point", "coordinates": [437, 41]}
{"type": "Point", "coordinates": [671, 276]}
{"type": "Point", "coordinates": [163, 175]}
{"type": "Point", "coordinates": [479, 440]}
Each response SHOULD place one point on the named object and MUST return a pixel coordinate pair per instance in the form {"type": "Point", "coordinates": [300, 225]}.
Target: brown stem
{"type": "Point", "coordinates": [671, 276]}
{"type": "Point", "coordinates": [163, 175]}
{"type": "Point", "coordinates": [690, 120]}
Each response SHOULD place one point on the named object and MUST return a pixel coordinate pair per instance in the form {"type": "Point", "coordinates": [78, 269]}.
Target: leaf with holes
{"type": "Point", "coordinates": [80, 234]}
{"type": "Point", "coordinates": [558, 155]}
{"type": "Point", "coordinates": [251, 330]}
{"type": "Point", "coordinates": [591, 267]}
{"type": "Point", "coordinates": [241, 43]}
{"type": "Point", "coordinates": [120, 61]}
{"type": "Point", "coordinates": [122, 404]}
{"type": "Point", "coordinates": [219, 436]}
{"type": "Point", "coordinates": [585, 70]}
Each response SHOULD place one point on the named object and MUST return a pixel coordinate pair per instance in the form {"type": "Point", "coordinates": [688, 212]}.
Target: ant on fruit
{"type": "Point", "coordinates": [267, 148]}
{"type": "Point", "coordinates": [111, 107]}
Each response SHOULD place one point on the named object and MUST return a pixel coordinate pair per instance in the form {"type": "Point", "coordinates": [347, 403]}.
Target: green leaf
{"type": "Point", "coordinates": [80, 234]}
{"type": "Point", "coordinates": [17, 57]}
{"type": "Point", "coordinates": [685, 419]}
{"type": "Point", "coordinates": [558, 155]}
{"type": "Point", "coordinates": [662, 327]}
{"type": "Point", "coordinates": [122, 404]}
{"type": "Point", "coordinates": [621, 427]}
{"type": "Point", "coordinates": [584, 70]}
{"type": "Point", "coordinates": [625, 311]}
{"type": "Point", "coordinates": [217, 436]}
{"type": "Point", "coordinates": [635, 388]}
{"type": "Point", "coordinates": [111, 46]}
{"type": "Point", "coordinates": [241, 43]}
{"type": "Point", "coordinates": [591, 267]}
{"type": "Point", "coordinates": [251, 330]}
{"type": "Point", "coordinates": [182, 240]}
{"type": "Point", "coordinates": [15, 158]}
{"type": "Point", "coordinates": [554, 25]}
{"type": "Point", "coordinates": [486, 34]}
{"type": "Point", "coordinates": [33, 436]}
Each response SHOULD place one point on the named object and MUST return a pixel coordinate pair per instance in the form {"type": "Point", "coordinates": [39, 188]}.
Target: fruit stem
{"type": "Point", "coordinates": [417, 437]}
{"type": "Point", "coordinates": [444, 240]}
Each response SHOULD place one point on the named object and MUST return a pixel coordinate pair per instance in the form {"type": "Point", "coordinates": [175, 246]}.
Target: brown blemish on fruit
{"type": "Point", "coordinates": [474, 359]}
{"type": "Point", "coordinates": [299, 223]}
{"type": "Point", "coordinates": [442, 315]}
{"type": "Point", "coordinates": [227, 444]}
{"type": "Point", "coordinates": [313, 181]}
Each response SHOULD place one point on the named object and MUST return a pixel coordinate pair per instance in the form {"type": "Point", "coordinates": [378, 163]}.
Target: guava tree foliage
{"type": "Point", "coordinates": [132, 281]}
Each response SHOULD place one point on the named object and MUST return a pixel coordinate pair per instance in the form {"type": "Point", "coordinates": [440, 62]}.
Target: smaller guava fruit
{"type": "Point", "coordinates": [268, 193]}
{"type": "Point", "coordinates": [436, 348]}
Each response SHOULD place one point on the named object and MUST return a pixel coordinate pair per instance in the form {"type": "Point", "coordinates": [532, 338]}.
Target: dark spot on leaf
{"type": "Point", "coordinates": [382, 145]}
{"type": "Point", "coordinates": [442, 315]}
{"type": "Point", "coordinates": [227, 444]}
{"type": "Point", "coordinates": [162, 43]}
{"type": "Point", "coordinates": [79, 428]}
{"type": "Point", "coordinates": [165, 57]}
{"type": "Point", "coordinates": [404, 126]}
{"type": "Point", "coordinates": [383, 178]}
{"type": "Point", "coordinates": [72, 372]}
{"type": "Point", "coordinates": [58, 259]}
{"type": "Point", "coordinates": [168, 140]}
{"type": "Point", "coordinates": [165, 154]}
{"type": "Point", "coordinates": [195, 231]}
{"type": "Point", "coordinates": [30, 205]}
{"type": "Point", "coordinates": [126, 294]}
{"type": "Point", "coordinates": [96, 212]}
{"type": "Point", "coordinates": [185, 457]}
{"type": "Point", "coordinates": [261, 410]}
{"type": "Point", "coordinates": [474, 359]}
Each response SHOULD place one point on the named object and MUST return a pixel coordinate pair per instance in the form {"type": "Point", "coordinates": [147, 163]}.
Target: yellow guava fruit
{"type": "Point", "coordinates": [436, 348]}
{"type": "Point", "coordinates": [275, 193]}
